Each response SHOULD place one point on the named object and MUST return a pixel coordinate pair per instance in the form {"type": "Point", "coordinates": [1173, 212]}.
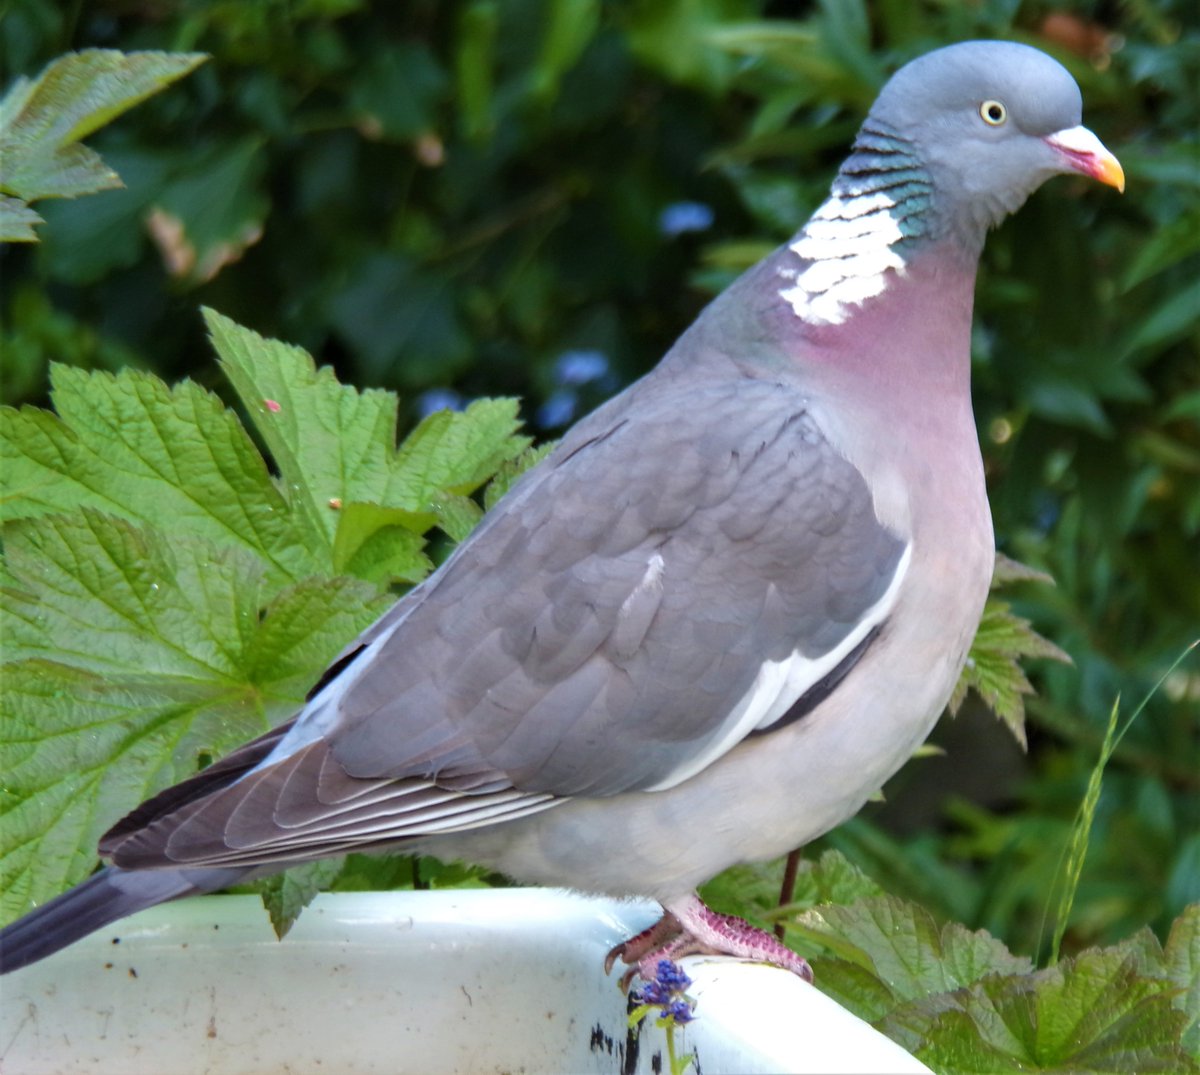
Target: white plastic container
{"type": "Point", "coordinates": [472, 981]}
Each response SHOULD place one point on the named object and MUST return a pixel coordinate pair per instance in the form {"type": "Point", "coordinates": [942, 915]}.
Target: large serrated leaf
{"type": "Point", "coordinates": [331, 442]}
{"type": "Point", "coordinates": [335, 448]}
{"type": "Point", "coordinates": [110, 598]}
{"type": "Point", "coordinates": [129, 445]}
{"type": "Point", "coordinates": [1101, 1011]}
{"type": "Point", "coordinates": [382, 544]}
{"type": "Point", "coordinates": [900, 944]}
{"type": "Point", "coordinates": [962, 1002]}
{"type": "Point", "coordinates": [1092, 1013]}
{"type": "Point", "coordinates": [302, 629]}
{"type": "Point", "coordinates": [128, 656]}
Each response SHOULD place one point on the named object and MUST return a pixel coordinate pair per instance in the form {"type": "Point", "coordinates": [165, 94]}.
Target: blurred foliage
{"type": "Point", "coordinates": [533, 197]}
{"type": "Point", "coordinates": [43, 120]}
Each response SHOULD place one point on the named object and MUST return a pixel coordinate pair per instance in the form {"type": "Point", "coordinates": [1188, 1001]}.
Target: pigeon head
{"type": "Point", "coordinates": [989, 121]}
{"type": "Point", "coordinates": [956, 141]}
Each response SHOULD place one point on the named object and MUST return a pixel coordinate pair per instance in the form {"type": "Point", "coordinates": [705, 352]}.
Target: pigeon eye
{"type": "Point", "coordinates": [993, 113]}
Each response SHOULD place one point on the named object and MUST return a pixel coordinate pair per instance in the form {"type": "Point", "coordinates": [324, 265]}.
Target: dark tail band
{"type": "Point", "coordinates": [103, 898]}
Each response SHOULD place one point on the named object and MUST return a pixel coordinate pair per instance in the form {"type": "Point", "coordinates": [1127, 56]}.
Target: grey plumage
{"type": "Point", "coordinates": [728, 605]}
{"type": "Point", "coordinates": [618, 613]}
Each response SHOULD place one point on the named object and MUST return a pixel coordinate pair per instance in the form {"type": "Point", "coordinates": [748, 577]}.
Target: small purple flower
{"type": "Point", "coordinates": [681, 217]}
{"type": "Point", "coordinates": [679, 1012]}
{"type": "Point", "coordinates": [666, 992]}
{"type": "Point", "coordinates": [671, 976]}
{"type": "Point", "coordinates": [653, 993]}
{"type": "Point", "coordinates": [438, 399]}
{"type": "Point", "coordinates": [580, 367]}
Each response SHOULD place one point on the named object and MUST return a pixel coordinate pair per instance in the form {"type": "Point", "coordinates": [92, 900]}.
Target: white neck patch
{"type": "Point", "coordinates": [850, 242]}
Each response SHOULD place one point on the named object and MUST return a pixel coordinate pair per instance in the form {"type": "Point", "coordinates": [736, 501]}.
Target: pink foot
{"type": "Point", "coordinates": [688, 928]}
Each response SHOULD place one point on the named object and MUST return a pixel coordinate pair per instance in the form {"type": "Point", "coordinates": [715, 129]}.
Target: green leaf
{"type": "Point", "coordinates": [474, 66]}
{"type": "Point", "coordinates": [900, 944]}
{"type": "Point", "coordinates": [568, 26]}
{"type": "Point", "coordinates": [42, 121]}
{"type": "Point", "coordinates": [302, 629]}
{"type": "Point", "coordinates": [166, 598]}
{"type": "Point", "coordinates": [128, 656]}
{"type": "Point", "coordinates": [129, 445]}
{"type": "Point", "coordinates": [1167, 245]}
{"type": "Point", "coordinates": [336, 453]}
{"type": "Point", "coordinates": [382, 544]}
{"type": "Point", "coordinates": [509, 471]}
{"type": "Point", "coordinates": [757, 39]}
{"type": "Point", "coordinates": [678, 38]}
{"type": "Point", "coordinates": [1007, 571]}
{"type": "Point", "coordinates": [287, 894]}
{"type": "Point", "coordinates": [454, 452]}
{"type": "Point", "coordinates": [207, 215]}
{"type": "Point", "coordinates": [17, 221]}
{"type": "Point", "coordinates": [1181, 961]}
{"type": "Point", "coordinates": [962, 1002]}
{"type": "Point", "coordinates": [107, 597]}
{"type": "Point", "coordinates": [78, 751]}
{"type": "Point", "coordinates": [84, 241]}
{"type": "Point", "coordinates": [993, 667]}
{"type": "Point", "coordinates": [457, 515]}
{"type": "Point", "coordinates": [833, 878]}
{"type": "Point", "coordinates": [1173, 318]}
{"type": "Point", "coordinates": [397, 91]}
{"type": "Point", "coordinates": [391, 305]}
{"type": "Point", "coordinates": [1093, 1013]}
{"type": "Point", "coordinates": [331, 442]}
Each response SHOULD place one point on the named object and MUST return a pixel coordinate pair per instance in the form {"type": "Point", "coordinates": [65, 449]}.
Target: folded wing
{"type": "Point", "coordinates": [690, 565]}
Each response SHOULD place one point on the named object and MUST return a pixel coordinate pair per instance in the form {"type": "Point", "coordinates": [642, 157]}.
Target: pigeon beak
{"type": "Point", "coordinates": [1084, 152]}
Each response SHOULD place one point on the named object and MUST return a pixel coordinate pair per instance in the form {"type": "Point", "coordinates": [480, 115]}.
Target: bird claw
{"type": "Point", "coordinates": [689, 928]}
{"type": "Point", "coordinates": [640, 951]}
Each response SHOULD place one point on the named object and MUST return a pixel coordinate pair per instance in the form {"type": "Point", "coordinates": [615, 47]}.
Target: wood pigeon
{"type": "Point", "coordinates": [718, 616]}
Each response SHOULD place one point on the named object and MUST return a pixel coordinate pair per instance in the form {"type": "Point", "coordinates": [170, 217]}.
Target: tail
{"type": "Point", "coordinates": [103, 898]}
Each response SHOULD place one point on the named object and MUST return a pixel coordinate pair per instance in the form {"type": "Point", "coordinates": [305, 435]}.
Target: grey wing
{"type": "Point", "coordinates": [677, 575]}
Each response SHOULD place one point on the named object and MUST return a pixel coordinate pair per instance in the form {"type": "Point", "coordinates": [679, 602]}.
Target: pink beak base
{"type": "Point", "coordinates": [1085, 153]}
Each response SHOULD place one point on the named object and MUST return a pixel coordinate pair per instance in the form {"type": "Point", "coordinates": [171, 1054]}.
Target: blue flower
{"type": "Point", "coordinates": [580, 367]}
{"type": "Point", "coordinates": [438, 399]}
{"type": "Point", "coordinates": [681, 217]}
{"type": "Point", "coordinates": [558, 410]}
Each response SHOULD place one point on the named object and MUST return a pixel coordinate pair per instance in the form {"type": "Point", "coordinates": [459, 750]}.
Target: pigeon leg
{"type": "Point", "coordinates": [689, 928]}
{"type": "Point", "coordinates": [639, 948]}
